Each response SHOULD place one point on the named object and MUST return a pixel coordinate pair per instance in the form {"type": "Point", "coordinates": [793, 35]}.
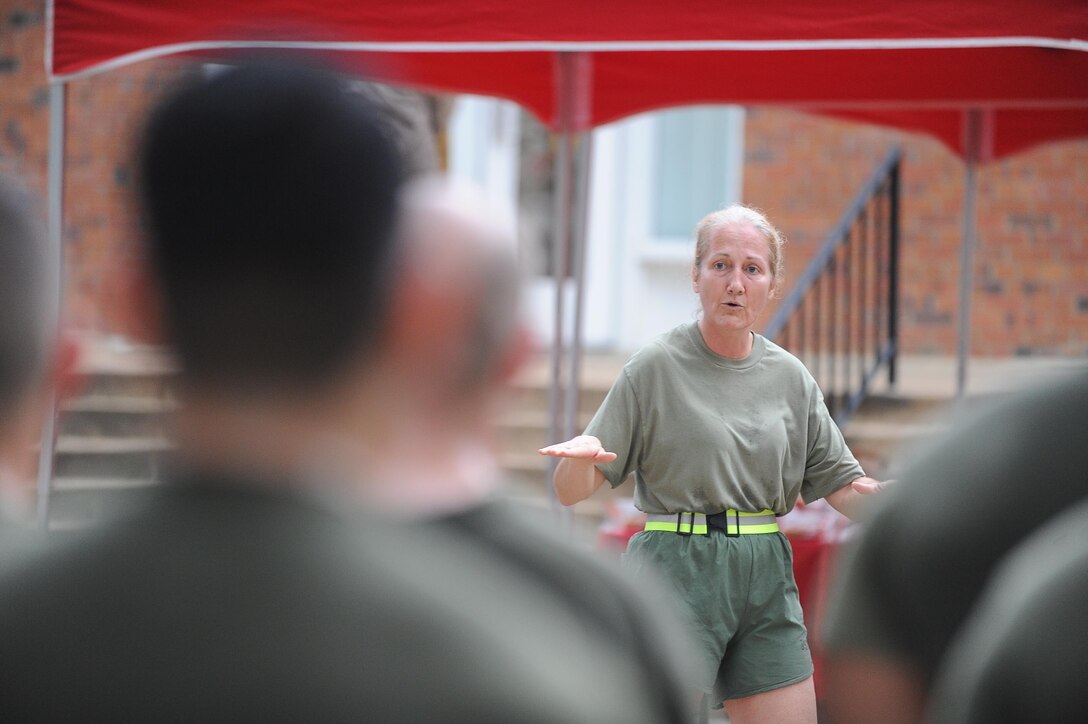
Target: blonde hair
{"type": "Point", "coordinates": [741, 213]}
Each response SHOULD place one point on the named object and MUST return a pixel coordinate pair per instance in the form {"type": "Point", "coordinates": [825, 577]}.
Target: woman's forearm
{"type": "Point", "coordinates": [575, 480]}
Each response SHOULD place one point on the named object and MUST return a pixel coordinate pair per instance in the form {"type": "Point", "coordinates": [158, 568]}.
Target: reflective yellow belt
{"type": "Point", "coordinates": [732, 522]}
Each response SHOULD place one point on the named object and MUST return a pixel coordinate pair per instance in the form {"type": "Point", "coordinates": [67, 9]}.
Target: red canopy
{"type": "Point", "coordinates": [915, 65]}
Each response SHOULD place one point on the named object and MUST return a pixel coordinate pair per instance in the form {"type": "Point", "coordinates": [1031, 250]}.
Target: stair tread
{"type": "Point", "coordinates": [598, 372]}
{"type": "Point", "coordinates": [71, 525]}
{"type": "Point", "coordinates": [527, 417]}
{"type": "Point", "coordinates": [119, 403]}
{"type": "Point", "coordinates": [519, 460]}
{"type": "Point", "coordinates": [78, 444]}
{"type": "Point", "coordinates": [891, 429]}
{"type": "Point", "coordinates": [116, 356]}
{"type": "Point", "coordinates": [73, 484]}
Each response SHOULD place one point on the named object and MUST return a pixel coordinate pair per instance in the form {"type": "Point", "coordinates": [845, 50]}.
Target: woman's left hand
{"type": "Point", "coordinates": [868, 486]}
{"type": "Point", "coordinates": [850, 500]}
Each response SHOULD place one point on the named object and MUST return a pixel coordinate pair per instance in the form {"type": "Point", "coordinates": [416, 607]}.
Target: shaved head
{"type": "Point", "coordinates": [462, 252]}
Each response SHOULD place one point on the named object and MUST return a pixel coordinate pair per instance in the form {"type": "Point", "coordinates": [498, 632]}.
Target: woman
{"type": "Point", "coordinates": [723, 429]}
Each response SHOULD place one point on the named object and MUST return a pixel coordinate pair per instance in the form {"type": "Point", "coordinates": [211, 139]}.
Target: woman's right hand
{"type": "Point", "coordinates": [577, 475]}
{"type": "Point", "coordinates": [583, 447]}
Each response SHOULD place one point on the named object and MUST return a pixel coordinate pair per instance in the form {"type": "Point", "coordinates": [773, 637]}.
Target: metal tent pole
{"type": "Point", "coordinates": [579, 211]}
{"type": "Point", "coordinates": [560, 257]}
{"type": "Point", "coordinates": [972, 148]}
{"type": "Point", "coordinates": [568, 252]}
{"type": "Point", "coordinates": [55, 257]}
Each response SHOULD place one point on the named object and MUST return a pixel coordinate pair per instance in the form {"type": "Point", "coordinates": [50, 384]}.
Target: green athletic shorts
{"type": "Point", "coordinates": [739, 598]}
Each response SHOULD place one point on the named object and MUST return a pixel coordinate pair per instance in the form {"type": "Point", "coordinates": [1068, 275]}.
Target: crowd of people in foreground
{"type": "Point", "coordinates": [329, 546]}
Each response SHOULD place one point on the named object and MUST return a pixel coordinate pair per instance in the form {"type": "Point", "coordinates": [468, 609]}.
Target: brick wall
{"type": "Point", "coordinates": [1031, 281]}
{"type": "Point", "coordinates": [102, 114]}
{"type": "Point", "coordinates": [1031, 289]}
{"type": "Point", "coordinates": [24, 96]}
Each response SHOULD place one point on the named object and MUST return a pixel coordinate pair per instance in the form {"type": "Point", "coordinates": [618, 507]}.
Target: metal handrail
{"type": "Point", "coordinates": [864, 326]}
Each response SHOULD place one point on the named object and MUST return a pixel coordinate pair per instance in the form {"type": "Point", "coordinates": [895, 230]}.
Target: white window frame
{"type": "Point", "coordinates": [675, 249]}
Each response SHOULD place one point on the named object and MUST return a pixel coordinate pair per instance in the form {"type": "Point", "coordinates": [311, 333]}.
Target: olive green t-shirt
{"type": "Point", "coordinates": [1020, 654]}
{"type": "Point", "coordinates": [706, 433]}
{"type": "Point", "coordinates": [906, 585]}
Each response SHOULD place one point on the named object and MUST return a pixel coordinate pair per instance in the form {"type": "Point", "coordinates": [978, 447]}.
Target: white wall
{"type": "Point", "coordinates": [483, 149]}
{"type": "Point", "coordinates": [637, 283]}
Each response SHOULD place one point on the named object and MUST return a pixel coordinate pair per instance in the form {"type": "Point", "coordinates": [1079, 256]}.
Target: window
{"type": "Point", "coordinates": [697, 161]}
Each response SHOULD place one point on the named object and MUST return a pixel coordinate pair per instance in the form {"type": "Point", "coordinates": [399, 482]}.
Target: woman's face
{"type": "Point", "coordinates": [734, 279]}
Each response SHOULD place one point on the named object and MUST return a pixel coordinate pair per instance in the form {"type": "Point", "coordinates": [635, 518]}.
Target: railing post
{"type": "Point", "coordinates": [833, 332]}
{"type": "Point", "coordinates": [817, 330]}
{"type": "Point", "coordinates": [863, 285]}
{"type": "Point", "coordinates": [848, 293]}
{"type": "Point", "coordinates": [55, 170]}
{"type": "Point", "coordinates": [893, 271]}
{"type": "Point", "coordinates": [870, 300]}
{"type": "Point", "coordinates": [802, 331]}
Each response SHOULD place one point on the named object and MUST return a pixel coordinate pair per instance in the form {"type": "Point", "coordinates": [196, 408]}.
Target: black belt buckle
{"type": "Point", "coordinates": [679, 524]}
{"type": "Point", "coordinates": [720, 521]}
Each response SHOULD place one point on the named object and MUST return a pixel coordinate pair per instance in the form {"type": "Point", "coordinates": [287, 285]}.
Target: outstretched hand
{"type": "Point", "coordinates": [583, 447]}
{"type": "Point", "coordinates": [852, 500]}
{"type": "Point", "coordinates": [868, 486]}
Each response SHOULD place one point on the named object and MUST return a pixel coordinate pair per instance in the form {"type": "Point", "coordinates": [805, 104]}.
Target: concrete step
{"type": "Point", "coordinates": [115, 416]}
{"type": "Point", "coordinates": [80, 486]}
{"type": "Point", "coordinates": [528, 430]}
{"type": "Point", "coordinates": [106, 383]}
{"type": "Point", "coordinates": [888, 427]}
{"type": "Point", "coordinates": [110, 366]}
{"type": "Point", "coordinates": [525, 464]}
{"type": "Point", "coordinates": [530, 390]}
{"type": "Point", "coordinates": [538, 399]}
{"type": "Point", "coordinates": [884, 425]}
{"type": "Point", "coordinates": [107, 457]}
{"type": "Point", "coordinates": [80, 502]}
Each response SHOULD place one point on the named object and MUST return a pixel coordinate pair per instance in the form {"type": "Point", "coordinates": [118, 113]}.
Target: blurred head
{"type": "Point", "coordinates": [740, 214]}
{"type": "Point", "coordinates": [456, 310]}
{"type": "Point", "coordinates": [454, 337]}
{"type": "Point", "coordinates": [24, 325]}
{"type": "Point", "coordinates": [270, 199]}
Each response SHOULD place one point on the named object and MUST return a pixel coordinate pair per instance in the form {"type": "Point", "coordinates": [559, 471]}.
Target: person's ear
{"type": "Point", "coordinates": [422, 317]}
{"type": "Point", "coordinates": [518, 351]}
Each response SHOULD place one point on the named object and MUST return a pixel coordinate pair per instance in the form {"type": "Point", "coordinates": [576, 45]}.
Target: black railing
{"type": "Point", "coordinates": [840, 317]}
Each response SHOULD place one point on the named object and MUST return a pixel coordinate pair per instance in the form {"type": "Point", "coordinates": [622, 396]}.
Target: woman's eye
{"type": "Point", "coordinates": [752, 269]}
{"type": "Point", "coordinates": [719, 265]}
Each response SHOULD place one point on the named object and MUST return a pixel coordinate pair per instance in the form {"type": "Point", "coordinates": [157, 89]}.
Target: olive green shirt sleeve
{"type": "Point", "coordinates": [618, 425]}
{"type": "Point", "coordinates": [829, 464]}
